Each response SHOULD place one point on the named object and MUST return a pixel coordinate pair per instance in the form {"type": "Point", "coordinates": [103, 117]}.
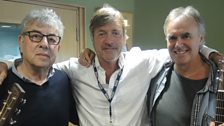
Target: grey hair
{"type": "Point", "coordinates": [105, 15]}
{"type": "Point", "coordinates": [189, 12]}
{"type": "Point", "coordinates": [44, 16]}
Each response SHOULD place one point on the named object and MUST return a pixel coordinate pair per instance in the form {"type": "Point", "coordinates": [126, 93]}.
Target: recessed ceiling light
{"type": "Point", "coordinates": [6, 26]}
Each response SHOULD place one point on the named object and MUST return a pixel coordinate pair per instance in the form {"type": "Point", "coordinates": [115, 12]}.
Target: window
{"type": "Point", "coordinates": [9, 45]}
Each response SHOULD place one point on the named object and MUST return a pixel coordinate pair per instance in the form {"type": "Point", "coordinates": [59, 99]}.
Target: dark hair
{"type": "Point", "coordinates": [105, 15]}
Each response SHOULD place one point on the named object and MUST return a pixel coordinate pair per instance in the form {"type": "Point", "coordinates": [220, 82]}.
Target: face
{"type": "Point", "coordinates": [108, 41]}
{"type": "Point", "coordinates": [183, 40]}
{"type": "Point", "coordinates": [38, 54]}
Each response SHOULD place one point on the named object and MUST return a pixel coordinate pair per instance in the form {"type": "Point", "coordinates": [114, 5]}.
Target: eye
{"type": "Point", "coordinates": [117, 34]}
{"type": "Point", "coordinates": [172, 38]}
{"type": "Point", "coordinates": [101, 34]}
{"type": "Point", "coordinates": [36, 36]}
{"type": "Point", "coordinates": [52, 39]}
{"type": "Point", "coordinates": [186, 36]}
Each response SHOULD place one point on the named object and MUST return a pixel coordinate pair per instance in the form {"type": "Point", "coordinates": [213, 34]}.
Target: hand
{"type": "Point", "coordinates": [86, 57]}
{"type": "Point", "coordinates": [218, 59]}
{"type": "Point", "coordinates": [3, 71]}
{"type": "Point", "coordinates": [213, 124]}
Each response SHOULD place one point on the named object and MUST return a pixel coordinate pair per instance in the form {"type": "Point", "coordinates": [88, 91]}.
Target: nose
{"type": "Point", "coordinates": [44, 42]}
{"type": "Point", "coordinates": [109, 39]}
{"type": "Point", "coordinates": [179, 41]}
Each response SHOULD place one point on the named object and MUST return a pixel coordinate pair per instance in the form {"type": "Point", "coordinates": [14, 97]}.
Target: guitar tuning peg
{"type": "Point", "coordinates": [222, 60]}
{"type": "Point", "coordinates": [219, 79]}
{"type": "Point", "coordinates": [9, 92]}
{"type": "Point", "coordinates": [222, 70]}
{"type": "Point", "coordinates": [23, 101]}
{"type": "Point", "coordinates": [18, 111]}
{"type": "Point", "coordinates": [219, 71]}
{"type": "Point", "coordinates": [12, 122]}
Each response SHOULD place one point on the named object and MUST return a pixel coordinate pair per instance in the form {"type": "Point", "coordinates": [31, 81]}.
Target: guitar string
{"type": "Point", "coordinates": [9, 102]}
{"type": "Point", "coordinates": [4, 103]}
{"type": "Point", "coordinates": [220, 107]}
{"type": "Point", "coordinates": [219, 118]}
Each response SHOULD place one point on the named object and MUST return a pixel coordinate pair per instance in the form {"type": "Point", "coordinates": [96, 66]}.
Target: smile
{"type": "Point", "coordinates": [180, 51]}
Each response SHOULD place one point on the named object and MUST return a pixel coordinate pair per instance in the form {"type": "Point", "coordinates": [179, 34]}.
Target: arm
{"type": "Point", "coordinates": [87, 55]}
{"type": "Point", "coordinates": [213, 124]}
{"type": "Point", "coordinates": [214, 56]}
{"type": "Point", "coordinates": [218, 59]}
{"type": "Point", "coordinates": [4, 66]}
{"type": "Point", "coordinates": [3, 71]}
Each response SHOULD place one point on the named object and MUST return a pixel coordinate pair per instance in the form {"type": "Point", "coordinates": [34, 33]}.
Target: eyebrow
{"type": "Point", "coordinates": [100, 30]}
{"type": "Point", "coordinates": [185, 33]}
{"type": "Point", "coordinates": [51, 34]}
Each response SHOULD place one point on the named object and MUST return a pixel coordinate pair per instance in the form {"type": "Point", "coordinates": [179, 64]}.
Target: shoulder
{"type": "Point", "coordinates": [59, 75]}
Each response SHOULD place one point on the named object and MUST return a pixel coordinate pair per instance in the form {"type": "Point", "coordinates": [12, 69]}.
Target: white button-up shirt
{"type": "Point", "coordinates": [129, 102]}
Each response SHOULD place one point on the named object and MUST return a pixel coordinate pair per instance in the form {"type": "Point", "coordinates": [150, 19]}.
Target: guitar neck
{"type": "Point", "coordinates": [219, 119]}
{"type": "Point", "coordinates": [10, 104]}
{"type": "Point", "coordinates": [220, 107]}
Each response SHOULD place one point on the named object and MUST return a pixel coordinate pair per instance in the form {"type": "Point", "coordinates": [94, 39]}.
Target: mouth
{"type": "Point", "coordinates": [180, 51]}
{"type": "Point", "coordinates": [109, 49]}
{"type": "Point", "coordinates": [43, 55]}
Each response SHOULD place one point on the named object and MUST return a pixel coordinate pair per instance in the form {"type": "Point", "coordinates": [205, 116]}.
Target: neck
{"type": "Point", "coordinates": [110, 68]}
{"type": "Point", "coordinates": [36, 75]}
{"type": "Point", "coordinates": [195, 70]}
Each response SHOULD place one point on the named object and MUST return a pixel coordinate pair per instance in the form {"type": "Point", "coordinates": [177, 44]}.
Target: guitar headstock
{"type": "Point", "coordinates": [10, 104]}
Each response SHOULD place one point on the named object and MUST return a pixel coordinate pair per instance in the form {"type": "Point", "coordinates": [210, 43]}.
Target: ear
{"type": "Point", "coordinates": [59, 46]}
{"type": "Point", "coordinates": [202, 42]}
{"type": "Point", "coordinates": [201, 39]}
{"type": "Point", "coordinates": [20, 39]}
